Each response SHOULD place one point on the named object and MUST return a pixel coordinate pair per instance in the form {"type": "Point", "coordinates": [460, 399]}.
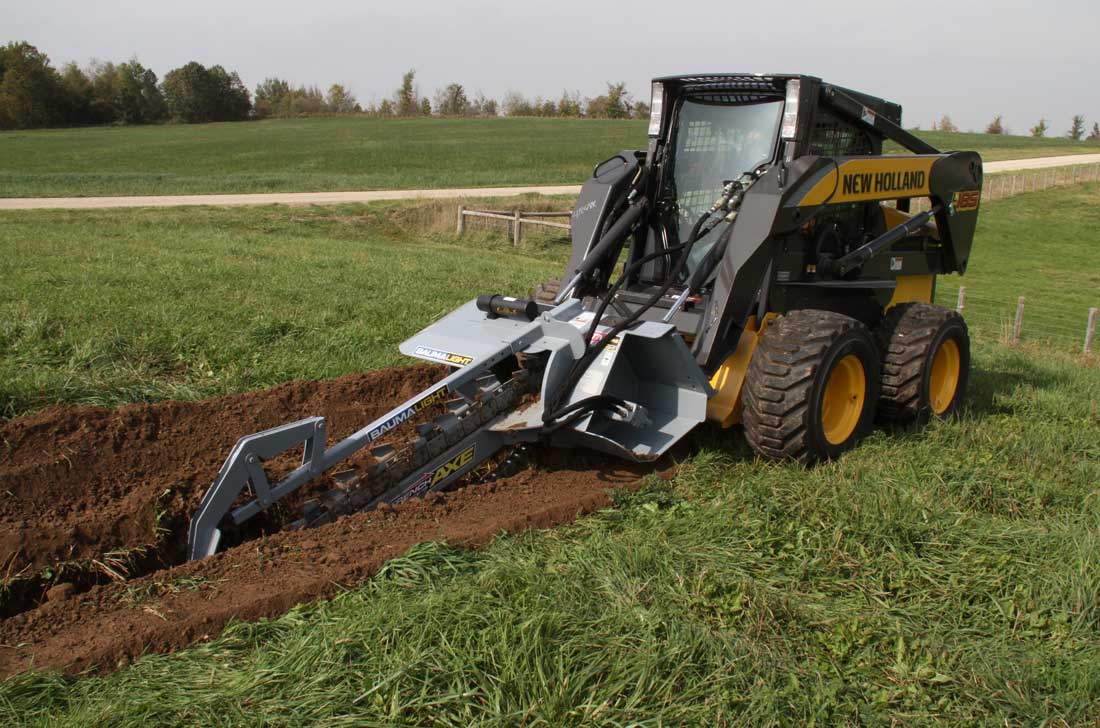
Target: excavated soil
{"type": "Point", "coordinates": [94, 507]}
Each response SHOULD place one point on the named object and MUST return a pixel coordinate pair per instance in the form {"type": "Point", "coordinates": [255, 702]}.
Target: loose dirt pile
{"type": "Point", "coordinates": [95, 503]}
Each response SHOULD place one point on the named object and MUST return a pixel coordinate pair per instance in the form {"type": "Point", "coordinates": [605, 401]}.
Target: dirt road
{"type": "Point", "coordinates": [331, 198]}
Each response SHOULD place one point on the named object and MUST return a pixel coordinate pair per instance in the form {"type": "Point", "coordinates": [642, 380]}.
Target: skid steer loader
{"type": "Point", "coordinates": [756, 264]}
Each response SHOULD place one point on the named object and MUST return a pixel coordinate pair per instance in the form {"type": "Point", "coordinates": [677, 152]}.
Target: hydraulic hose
{"type": "Point", "coordinates": [552, 412]}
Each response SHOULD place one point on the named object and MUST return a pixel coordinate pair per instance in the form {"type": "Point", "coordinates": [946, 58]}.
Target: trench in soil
{"type": "Point", "coordinates": [93, 496]}
{"type": "Point", "coordinates": [99, 501]}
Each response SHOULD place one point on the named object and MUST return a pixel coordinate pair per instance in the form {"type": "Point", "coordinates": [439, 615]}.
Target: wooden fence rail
{"type": "Point", "coordinates": [516, 219]}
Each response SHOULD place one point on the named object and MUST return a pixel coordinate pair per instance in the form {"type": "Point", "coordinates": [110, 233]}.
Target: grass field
{"type": "Point", "coordinates": [352, 154]}
{"type": "Point", "coordinates": [944, 576]}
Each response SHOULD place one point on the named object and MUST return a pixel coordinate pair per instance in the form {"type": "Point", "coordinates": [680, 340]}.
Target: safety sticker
{"type": "Point", "coordinates": [458, 360]}
{"type": "Point", "coordinates": [896, 263]}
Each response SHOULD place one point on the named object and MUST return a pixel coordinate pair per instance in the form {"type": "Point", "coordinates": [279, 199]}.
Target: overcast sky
{"type": "Point", "coordinates": [971, 60]}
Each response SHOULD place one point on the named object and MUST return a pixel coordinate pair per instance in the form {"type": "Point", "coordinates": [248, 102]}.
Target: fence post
{"type": "Point", "coordinates": [461, 220]}
{"type": "Point", "coordinates": [961, 304]}
{"type": "Point", "coordinates": [1013, 192]}
{"type": "Point", "coordinates": [1019, 321]}
{"type": "Point", "coordinates": [515, 228]}
{"type": "Point", "coordinates": [1090, 330]}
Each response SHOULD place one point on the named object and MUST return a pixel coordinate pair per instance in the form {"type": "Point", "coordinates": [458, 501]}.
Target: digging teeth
{"type": "Point", "coordinates": [382, 453]}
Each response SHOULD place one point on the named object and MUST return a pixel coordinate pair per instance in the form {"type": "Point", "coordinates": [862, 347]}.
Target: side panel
{"type": "Point", "coordinates": [599, 196]}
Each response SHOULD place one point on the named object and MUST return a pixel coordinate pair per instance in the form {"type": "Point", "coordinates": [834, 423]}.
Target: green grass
{"type": "Point", "coordinates": [1042, 246]}
{"type": "Point", "coordinates": [351, 154]}
{"type": "Point", "coordinates": [112, 307]}
{"type": "Point", "coordinates": [946, 576]}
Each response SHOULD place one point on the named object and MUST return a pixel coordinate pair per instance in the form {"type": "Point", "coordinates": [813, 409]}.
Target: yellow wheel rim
{"type": "Point", "coordinates": [944, 380]}
{"type": "Point", "coordinates": [842, 405]}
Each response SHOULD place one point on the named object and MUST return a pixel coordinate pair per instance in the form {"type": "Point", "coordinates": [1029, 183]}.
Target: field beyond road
{"type": "Point", "coordinates": [942, 576]}
{"type": "Point", "coordinates": [357, 153]}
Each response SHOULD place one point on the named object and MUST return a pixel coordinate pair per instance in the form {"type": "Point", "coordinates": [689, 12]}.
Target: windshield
{"type": "Point", "coordinates": [716, 143]}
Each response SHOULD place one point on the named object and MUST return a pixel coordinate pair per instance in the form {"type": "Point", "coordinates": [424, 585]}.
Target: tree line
{"type": "Point", "coordinates": [34, 94]}
{"type": "Point", "coordinates": [1076, 130]}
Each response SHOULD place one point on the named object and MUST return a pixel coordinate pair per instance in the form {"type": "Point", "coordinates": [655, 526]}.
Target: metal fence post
{"type": "Point", "coordinates": [1090, 330]}
{"type": "Point", "coordinates": [461, 220]}
{"type": "Point", "coordinates": [1019, 321]}
{"type": "Point", "coordinates": [516, 229]}
{"type": "Point", "coordinates": [961, 303]}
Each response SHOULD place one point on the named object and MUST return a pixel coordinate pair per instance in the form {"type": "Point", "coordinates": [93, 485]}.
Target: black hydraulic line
{"type": "Point", "coordinates": [613, 237]}
{"type": "Point", "coordinates": [592, 350]}
{"type": "Point", "coordinates": [865, 252]}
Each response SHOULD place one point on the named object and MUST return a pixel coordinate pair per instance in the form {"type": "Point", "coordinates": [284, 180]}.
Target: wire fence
{"type": "Point", "coordinates": [1050, 320]}
{"type": "Point", "coordinates": [1009, 184]}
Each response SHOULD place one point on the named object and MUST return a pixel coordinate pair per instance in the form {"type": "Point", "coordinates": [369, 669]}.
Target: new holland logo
{"type": "Point", "coordinates": [863, 183]}
{"type": "Point", "coordinates": [458, 360]}
{"type": "Point", "coordinates": [430, 478]}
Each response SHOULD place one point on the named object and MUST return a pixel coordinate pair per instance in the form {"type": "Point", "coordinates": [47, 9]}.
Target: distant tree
{"type": "Point", "coordinates": [1040, 129]}
{"type": "Point", "coordinates": [126, 94]}
{"type": "Point", "coordinates": [270, 97]}
{"type": "Point", "coordinates": [995, 126]}
{"type": "Point", "coordinates": [31, 90]}
{"type": "Point", "coordinates": [545, 108]}
{"type": "Point", "coordinates": [481, 106]}
{"type": "Point", "coordinates": [341, 101]}
{"type": "Point", "coordinates": [1094, 135]}
{"type": "Point", "coordinates": [615, 104]}
{"type": "Point", "coordinates": [569, 104]}
{"type": "Point", "coordinates": [195, 93]}
{"type": "Point", "coordinates": [425, 107]}
{"type": "Point", "coordinates": [515, 104]}
{"type": "Point", "coordinates": [405, 99]}
{"type": "Point", "coordinates": [945, 125]}
{"type": "Point", "coordinates": [78, 88]}
{"type": "Point", "coordinates": [385, 108]}
{"type": "Point", "coordinates": [641, 110]}
{"type": "Point", "coordinates": [451, 101]}
{"type": "Point", "coordinates": [1077, 128]}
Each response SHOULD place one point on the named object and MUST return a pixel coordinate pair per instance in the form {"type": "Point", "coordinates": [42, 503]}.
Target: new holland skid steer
{"type": "Point", "coordinates": [756, 264]}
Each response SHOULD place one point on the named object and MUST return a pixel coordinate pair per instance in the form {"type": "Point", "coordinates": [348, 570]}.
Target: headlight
{"type": "Point", "coordinates": [656, 102]}
{"type": "Point", "coordinates": [790, 110]}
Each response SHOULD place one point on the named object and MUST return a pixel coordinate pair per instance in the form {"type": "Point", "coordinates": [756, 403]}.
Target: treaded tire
{"type": "Point", "coordinates": [786, 382]}
{"type": "Point", "coordinates": [546, 292]}
{"type": "Point", "coordinates": [909, 337]}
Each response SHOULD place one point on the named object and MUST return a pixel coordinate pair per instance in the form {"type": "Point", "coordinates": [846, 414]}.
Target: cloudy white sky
{"type": "Point", "coordinates": [970, 59]}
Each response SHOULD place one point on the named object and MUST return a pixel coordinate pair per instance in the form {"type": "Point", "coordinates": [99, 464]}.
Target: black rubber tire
{"type": "Point", "coordinates": [909, 337]}
{"type": "Point", "coordinates": [546, 292]}
{"type": "Point", "coordinates": [787, 378]}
